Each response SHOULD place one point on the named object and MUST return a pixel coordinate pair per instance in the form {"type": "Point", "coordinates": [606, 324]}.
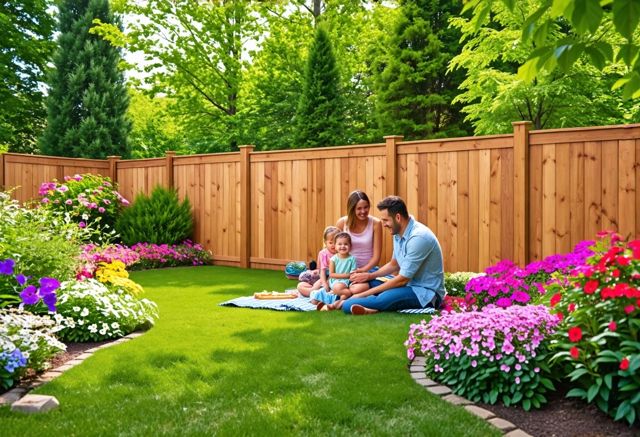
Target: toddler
{"type": "Point", "coordinates": [341, 265]}
{"type": "Point", "coordinates": [305, 288]}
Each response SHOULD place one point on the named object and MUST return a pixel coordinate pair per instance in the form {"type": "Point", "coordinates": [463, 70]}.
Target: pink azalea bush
{"type": "Point", "coordinates": [489, 355]}
{"type": "Point", "coordinates": [90, 200]}
{"type": "Point", "coordinates": [505, 284]}
{"type": "Point", "coordinates": [164, 255]}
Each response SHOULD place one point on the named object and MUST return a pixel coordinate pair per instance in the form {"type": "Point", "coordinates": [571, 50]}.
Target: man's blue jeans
{"type": "Point", "coordinates": [394, 299]}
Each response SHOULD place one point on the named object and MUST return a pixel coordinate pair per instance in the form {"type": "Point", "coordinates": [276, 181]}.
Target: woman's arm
{"type": "Point", "coordinates": [341, 222]}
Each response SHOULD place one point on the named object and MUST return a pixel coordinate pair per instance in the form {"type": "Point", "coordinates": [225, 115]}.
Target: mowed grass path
{"type": "Point", "coordinates": [205, 369]}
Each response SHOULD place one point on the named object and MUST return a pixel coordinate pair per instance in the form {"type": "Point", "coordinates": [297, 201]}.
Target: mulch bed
{"type": "Point", "coordinates": [564, 417]}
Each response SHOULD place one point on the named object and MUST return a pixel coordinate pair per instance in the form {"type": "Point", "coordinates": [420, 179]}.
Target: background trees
{"type": "Point", "coordinates": [88, 98]}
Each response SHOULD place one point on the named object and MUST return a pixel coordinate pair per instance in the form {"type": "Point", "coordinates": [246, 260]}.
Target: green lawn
{"type": "Point", "coordinates": [206, 369]}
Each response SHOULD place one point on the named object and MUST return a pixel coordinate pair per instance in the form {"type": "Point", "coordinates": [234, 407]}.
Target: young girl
{"type": "Point", "coordinates": [305, 288]}
{"type": "Point", "coordinates": [341, 266]}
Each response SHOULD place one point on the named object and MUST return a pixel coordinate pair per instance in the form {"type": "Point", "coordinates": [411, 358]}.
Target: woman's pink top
{"type": "Point", "coordinates": [362, 243]}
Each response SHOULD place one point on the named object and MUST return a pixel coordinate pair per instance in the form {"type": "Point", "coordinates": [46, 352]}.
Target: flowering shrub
{"type": "Point", "coordinates": [454, 303]}
{"type": "Point", "coordinates": [20, 289]}
{"type": "Point", "coordinates": [26, 341]}
{"type": "Point", "coordinates": [599, 304]}
{"type": "Point", "coordinates": [506, 284]}
{"type": "Point", "coordinates": [115, 275]}
{"type": "Point", "coordinates": [89, 311]}
{"type": "Point", "coordinates": [90, 200]}
{"type": "Point", "coordinates": [41, 242]}
{"type": "Point", "coordinates": [490, 354]}
{"type": "Point", "coordinates": [455, 283]}
{"type": "Point", "coordinates": [92, 255]}
{"type": "Point", "coordinates": [163, 255]}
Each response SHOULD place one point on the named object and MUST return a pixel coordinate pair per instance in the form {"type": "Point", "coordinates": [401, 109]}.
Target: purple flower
{"type": "Point", "coordinates": [6, 266]}
{"type": "Point", "coordinates": [82, 224]}
{"type": "Point", "coordinates": [21, 279]}
{"type": "Point", "coordinates": [63, 188]}
{"type": "Point", "coordinates": [48, 285]}
{"type": "Point", "coordinates": [50, 301]}
{"type": "Point", "coordinates": [29, 295]}
{"type": "Point", "coordinates": [45, 200]}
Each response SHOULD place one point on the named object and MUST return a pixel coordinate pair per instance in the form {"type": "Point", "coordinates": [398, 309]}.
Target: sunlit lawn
{"type": "Point", "coordinates": [205, 369]}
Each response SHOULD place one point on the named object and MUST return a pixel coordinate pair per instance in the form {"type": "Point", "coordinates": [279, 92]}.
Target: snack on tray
{"type": "Point", "coordinates": [275, 295]}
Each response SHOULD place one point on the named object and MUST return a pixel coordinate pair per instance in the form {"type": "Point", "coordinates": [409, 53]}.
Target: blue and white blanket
{"type": "Point", "coordinates": [297, 304]}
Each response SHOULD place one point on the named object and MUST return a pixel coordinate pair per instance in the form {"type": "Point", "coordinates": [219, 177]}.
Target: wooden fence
{"type": "Point", "coordinates": [520, 196]}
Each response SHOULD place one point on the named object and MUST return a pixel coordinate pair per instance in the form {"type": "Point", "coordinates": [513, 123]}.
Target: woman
{"type": "Point", "coordinates": [366, 236]}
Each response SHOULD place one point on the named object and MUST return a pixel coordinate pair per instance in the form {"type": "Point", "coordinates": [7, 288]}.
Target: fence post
{"type": "Point", "coordinates": [113, 168]}
{"type": "Point", "coordinates": [392, 161]}
{"type": "Point", "coordinates": [245, 205]}
{"type": "Point", "coordinates": [521, 191]}
{"type": "Point", "coordinates": [169, 155]}
{"type": "Point", "coordinates": [1, 170]}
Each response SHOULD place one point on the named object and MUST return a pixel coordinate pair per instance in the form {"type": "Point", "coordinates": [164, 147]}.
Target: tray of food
{"type": "Point", "coordinates": [266, 295]}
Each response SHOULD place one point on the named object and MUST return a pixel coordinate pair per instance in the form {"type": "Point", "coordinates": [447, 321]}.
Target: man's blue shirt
{"type": "Point", "coordinates": [419, 256]}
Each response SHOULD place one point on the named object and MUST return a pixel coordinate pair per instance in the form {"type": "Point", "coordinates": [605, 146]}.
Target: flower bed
{"type": "Point", "coordinates": [489, 354]}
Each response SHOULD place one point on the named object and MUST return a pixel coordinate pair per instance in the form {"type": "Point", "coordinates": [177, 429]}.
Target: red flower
{"type": "Point", "coordinates": [575, 352]}
{"type": "Point", "coordinates": [629, 309]}
{"type": "Point", "coordinates": [555, 299]}
{"type": "Point", "coordinates": [591, 286]}
{"type": "Point", "coordinates": [623, 260]}
{"type": "Point", "coordinates": [613, 326]}
{"type": "Point", "coordinates": [635, 247]}
{"type": "Point", "coordinates": [575, 334]}
{"type": "Point", "coordinates": [615, 273]}
{"type": "Point", "coordinates": [560, 315]}
{"type": "Point", "coordinates": [571, 307]}
{"type": "Point", "coordinates": [624, 364]}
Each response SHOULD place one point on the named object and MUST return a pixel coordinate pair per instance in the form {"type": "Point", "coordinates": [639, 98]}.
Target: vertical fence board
{"type": "Point", "coordinates": [535, 202]}
{"type": "Point", "coordinates": [592, 188]}
{"type": "Point", "coordinates": [474, 212]}
{"type": "Point", "coordinates": [610, 185]}
{"type": "Point", "coordinates": [627, 188]}
{"type": "Point", "coordinates": [563, 198]}
{"type": "Point", "coordinates": [576, 186]}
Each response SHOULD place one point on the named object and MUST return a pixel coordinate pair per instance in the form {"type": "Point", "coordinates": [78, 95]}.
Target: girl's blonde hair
{"type": "Point", "coordinates": [328, 231]}
{"type": "Point", "coordinates": [355, 197]}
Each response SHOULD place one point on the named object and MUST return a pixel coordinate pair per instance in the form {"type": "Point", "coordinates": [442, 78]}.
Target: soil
{"type": "Point", "coordinates": [564, 417]}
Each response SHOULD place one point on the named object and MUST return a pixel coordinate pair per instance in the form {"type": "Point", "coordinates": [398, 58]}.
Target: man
{"type": "Point", "coordinates": [416, 263]}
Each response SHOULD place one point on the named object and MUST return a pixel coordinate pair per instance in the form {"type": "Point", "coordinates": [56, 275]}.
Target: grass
{"type": "Point", "coordinates": [205, 369]}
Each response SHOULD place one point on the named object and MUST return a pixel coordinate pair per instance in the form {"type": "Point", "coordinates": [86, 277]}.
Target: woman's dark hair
{"type": "Point", "coordinates": [342, 235]}
{"type": "Point", "coordinates": [353, 199]}
{"type": "Point", "coordinates": [395, 205]}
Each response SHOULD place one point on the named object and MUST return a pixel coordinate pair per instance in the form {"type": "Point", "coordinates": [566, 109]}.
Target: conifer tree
{"type": "Point", "coordinates": [321, 109]}
{"type": "Point", "coordinates": [414, 90]}
{"type": "Point", "coordinates": [87, 100]}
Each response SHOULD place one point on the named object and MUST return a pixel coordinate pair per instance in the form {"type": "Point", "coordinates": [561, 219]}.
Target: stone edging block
{"type": "Point", "coordinates": [418, 373]}
{"type": "Point", "coordinates": [37, 403]}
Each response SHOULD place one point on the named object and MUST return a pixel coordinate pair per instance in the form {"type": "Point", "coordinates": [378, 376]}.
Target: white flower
{"type": "Point", "coordinates": [85, 216]}
{"type": "Point", "coordinates": [93, 328]}
{"type": "Point", "coordinates": [85, 312]}
{"type": "Point", "coordinates": [115, 325]}
{"type": "Point", "coordinates": [76, 309]}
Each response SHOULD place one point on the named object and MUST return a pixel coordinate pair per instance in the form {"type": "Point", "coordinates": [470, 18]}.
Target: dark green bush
{"type": "Point", "coordinates": [159, 218]}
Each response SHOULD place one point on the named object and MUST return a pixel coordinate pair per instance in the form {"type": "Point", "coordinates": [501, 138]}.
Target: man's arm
{"type": "Point", "coordinates": [387, 269]}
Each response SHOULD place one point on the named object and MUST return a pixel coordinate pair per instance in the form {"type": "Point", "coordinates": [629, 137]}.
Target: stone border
{"type": "Point", "coordinates": [17, 393]}
{"type": "Point", "coordinates": [418, 373]}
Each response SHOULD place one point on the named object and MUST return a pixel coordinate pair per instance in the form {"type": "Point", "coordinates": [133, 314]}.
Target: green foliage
{"type": "Point", "coordinates": [42, 243]}
{"type": "Point", "coordinates": [415, 93]}
{"type": "Point", "coordinates": [320, 115]}
{"type": "Point", "coordinates": [87, 102]}
{"type": "Point", "coordinates": [159, 218]}
{"type": "Point", "coordinates": [27, 43]}
{"type": "Point", "coordinates": [585, 24]}
{"type": "Point", "coordinates": [494, 95]}
{"type": "Point", "coordinates": [89, 200]}
{"type": "Point", "coordinates": [91, 311]}
{"type": "Point", "coordinates": [454, 283]}
{"type": "Point", "coordinates": [598, 342]}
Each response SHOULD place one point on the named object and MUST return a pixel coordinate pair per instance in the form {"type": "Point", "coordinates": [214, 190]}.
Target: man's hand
{"type": "Point", "coordinates": [357, 277]}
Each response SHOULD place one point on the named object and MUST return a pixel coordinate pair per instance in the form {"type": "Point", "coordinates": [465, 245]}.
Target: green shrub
{"type": "Point", "coordinates": [159, 219]}
{"type": "Point", "coordinates": [455, 282]}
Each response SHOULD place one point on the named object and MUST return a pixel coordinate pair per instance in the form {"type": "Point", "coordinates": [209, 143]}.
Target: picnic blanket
{"type": "Point", "coordinates": [298, 304]}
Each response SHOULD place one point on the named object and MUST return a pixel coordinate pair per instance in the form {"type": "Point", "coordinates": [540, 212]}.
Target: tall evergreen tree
{"type": "Point", "coordinates": [321, 108]}
{"type": "Point", "coordinates": [88, 100]}
{"type": "Point", "coordinates": [414, 90]}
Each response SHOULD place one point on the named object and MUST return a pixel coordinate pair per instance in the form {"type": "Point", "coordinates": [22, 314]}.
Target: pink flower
{"type": "Point", "coordinates": [629, 309]}
{"type": "Point", "coordinates": [613, 326]}
{"type": "Point", "coordinates": [69, 202]}
{"type": "Point", "coordinates": [82, 224]}
{"type": "Point", "coordinates": [101, 210]}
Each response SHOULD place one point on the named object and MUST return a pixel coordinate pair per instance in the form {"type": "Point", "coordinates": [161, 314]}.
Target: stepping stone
{"type": "Point", "coordinates": [501, 424]}
{"type": "Point", "coordinates": [456, 400]}
{"type": "Point", "coordinates": [418, 375]}
{"type": "Point", "coordinates": [50, 375]}
{"type": "Point", "coordinates": [517, 433]}
{"type": "Point", "coordinates": [12, 395]}
{"type": "Point", "coordinates": [134, 335]}
{"type": "Point", "coordinates": [418, 361]}
{"type": "Point", "coordinates": [480, 412]}
{"type": "Point", "coordinates": [35, 404]}
{"type": "Point", "coordinates": [416, 369]}
{"type": "Point", "coordinates": [83, 356]}
{"type": "Point", "coordinates": [426, 382]}
{"type": "Point", "coordinates": [439, 390]}
{"type": "Point", "coordinates": [92, 350]}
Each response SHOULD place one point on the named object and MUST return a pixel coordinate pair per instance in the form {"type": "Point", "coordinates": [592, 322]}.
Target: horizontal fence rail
{"type": "Point", "coordinates": [521, 196]}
